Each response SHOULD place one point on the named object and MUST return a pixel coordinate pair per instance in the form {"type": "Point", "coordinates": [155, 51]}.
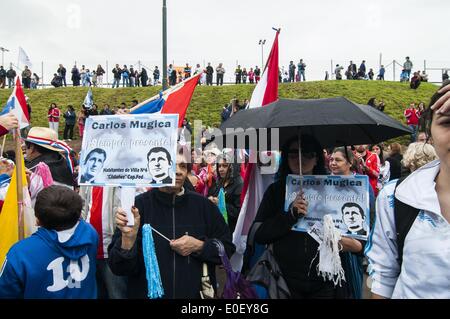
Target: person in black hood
{"type": "Point", "coordinates": [229, 179]}
{"type": "Point", "coordinates": [293, 250]}
{"type": "Point", "coordinates": [37, 149]}
{"type": "Point", "coordinates": [190, 221]}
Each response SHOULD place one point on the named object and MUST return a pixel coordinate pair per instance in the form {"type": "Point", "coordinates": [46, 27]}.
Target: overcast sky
{"type": "Point", "coordinates": [201, 31]}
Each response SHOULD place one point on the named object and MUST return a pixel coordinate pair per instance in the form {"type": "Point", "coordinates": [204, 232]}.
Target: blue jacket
{"type": "Point", "coordinates": [41, 266]}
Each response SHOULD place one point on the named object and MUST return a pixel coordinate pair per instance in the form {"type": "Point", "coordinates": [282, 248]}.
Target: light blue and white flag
{"type": "Point", "coordinates": [89, 100]}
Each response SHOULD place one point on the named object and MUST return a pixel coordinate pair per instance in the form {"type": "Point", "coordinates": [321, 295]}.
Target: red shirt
{"type": "Point", "coordinates": [412, 116]}
{"type": "Point", "coordinates": [3, 131]}
{"type": "Point", "coordinates": [373, 170]}
{"type": "Point", "coordinates": [53, 115]}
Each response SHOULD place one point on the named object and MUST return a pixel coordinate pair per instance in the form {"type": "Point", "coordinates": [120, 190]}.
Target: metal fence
{"type": "Point", "coordinates": [315, 68]}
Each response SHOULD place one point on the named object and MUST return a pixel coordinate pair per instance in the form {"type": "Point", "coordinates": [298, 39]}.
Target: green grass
{"type": "Point", "coordinates": [207, 102]}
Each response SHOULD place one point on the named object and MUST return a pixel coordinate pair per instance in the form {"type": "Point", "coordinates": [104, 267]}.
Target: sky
{"type": "Point", "coordinates": [321, 32]}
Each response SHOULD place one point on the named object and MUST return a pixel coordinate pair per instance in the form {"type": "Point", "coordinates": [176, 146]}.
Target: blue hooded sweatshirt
{"type": "Point", "coordinates": [52, 264]}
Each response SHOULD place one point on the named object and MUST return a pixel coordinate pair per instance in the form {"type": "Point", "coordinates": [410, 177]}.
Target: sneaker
{"type": "Point", "coordinates": [69, 140]}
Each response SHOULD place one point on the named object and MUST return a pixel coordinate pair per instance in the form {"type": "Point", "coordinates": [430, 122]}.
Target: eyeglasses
{"type": "Point", "coordinates": [293, 153]}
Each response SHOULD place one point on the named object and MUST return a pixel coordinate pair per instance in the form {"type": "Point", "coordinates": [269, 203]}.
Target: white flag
{"type": "Point", "coordinates": [24, 58]}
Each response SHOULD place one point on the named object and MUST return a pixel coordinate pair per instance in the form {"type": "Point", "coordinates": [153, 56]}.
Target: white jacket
{"type": "Point", "coordinates": [425, 271]}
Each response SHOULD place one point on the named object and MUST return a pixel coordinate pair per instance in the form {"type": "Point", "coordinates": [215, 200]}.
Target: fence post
{"type": "Point", "coordinates": [107, 73]}
{"type": "Point", "coordinates": [393, 65]}
{"type": "Point", "coordinates": [331, 70]}
{"type": "Point", "coordinates": [42, 74]}
{"type": "Point", "coordinates": [425, 66]}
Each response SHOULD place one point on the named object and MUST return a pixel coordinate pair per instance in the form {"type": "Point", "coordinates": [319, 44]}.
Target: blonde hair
{"type": "Point", "coordinates": [417, 155]}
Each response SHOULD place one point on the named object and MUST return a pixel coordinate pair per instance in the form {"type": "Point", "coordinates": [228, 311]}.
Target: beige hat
{"type": "Point", "coordinates": [214, 151]}
{"type": "Point", "coordinates": [43, 134]}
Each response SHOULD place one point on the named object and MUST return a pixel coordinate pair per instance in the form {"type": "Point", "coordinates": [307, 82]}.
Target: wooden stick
{"type": "Point", "coordinates": [3, 145]}
{"type": "Point", "coordinates": [19, 184]}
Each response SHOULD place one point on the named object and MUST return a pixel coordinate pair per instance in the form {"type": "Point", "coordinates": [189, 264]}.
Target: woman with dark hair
{"type": "Point", "coordinates": [293, 250]}
{"type": "Point", "coordinates": [53, 117]}
{"type": "Point", "coordinates": [341, 162]}
{"type": "Point", "coordinates": [413, 262]}
{"type": "Point", "coordinates": [229, 179]}
{"type": "Point", "coordinates": [385, 166]}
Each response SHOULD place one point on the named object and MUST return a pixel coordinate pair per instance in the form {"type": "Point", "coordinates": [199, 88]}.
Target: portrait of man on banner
{"type": "Point", "coordinates": [354, 218]}
{"type": "Point", "coordinates": [159, 164]}
{"type": "Point", "coordinates": [93, 165]}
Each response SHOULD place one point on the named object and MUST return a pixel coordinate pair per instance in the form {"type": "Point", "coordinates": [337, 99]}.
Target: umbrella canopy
{"type": "Point", "coordinates": [333, 122]}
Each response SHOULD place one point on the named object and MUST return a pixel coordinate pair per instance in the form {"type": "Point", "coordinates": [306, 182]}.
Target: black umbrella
{"type": "Point", "coordinates": [333, 122]}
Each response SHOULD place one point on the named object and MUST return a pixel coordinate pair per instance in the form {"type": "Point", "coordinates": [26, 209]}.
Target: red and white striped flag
{"type": "Point", "coordinates": [265, 92]}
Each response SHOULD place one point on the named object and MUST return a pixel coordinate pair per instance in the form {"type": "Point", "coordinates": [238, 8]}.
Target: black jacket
{"type": "Point", "coordinates": [11, 74]}
{"type": "Point", "coordinates": [57, 164]}
{"type": "Point", "coordinates": [293, 250]}
{"type": "Point", "coordinates": [173, 216]}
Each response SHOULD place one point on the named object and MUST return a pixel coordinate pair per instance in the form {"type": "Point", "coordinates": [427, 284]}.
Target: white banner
{"type": "Point", "coordinates": [129, 150]}
{"type": "Point", "coordinates": [346, 198]}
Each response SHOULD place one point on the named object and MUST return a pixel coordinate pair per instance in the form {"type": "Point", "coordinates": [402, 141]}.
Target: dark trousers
{"type": "Point", "coordinates": [68, 131]}
{"type": "Point", "coordinates": [219, 79]}
{"type": "Point", "coordinates": [208, 79]}
{"type": "Point", "coordinates": [26, 82]}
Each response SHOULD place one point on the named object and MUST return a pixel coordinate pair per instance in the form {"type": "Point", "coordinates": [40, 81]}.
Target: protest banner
{"type": "Point", "coordinates": [346, 198]}
{"type": "Point", "coordinates": [129, 150]}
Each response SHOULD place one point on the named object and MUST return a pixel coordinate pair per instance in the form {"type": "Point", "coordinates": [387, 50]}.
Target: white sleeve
{"type": "Point", "coordinates": [381, 248]}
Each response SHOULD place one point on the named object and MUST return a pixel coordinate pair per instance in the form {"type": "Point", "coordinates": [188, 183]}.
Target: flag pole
{"type": "Point", "coordinates": [19, 183]}
{"type": "Point", "coordinates": [3, 145]}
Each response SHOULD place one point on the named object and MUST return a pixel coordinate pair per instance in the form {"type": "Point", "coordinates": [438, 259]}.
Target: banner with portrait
{"type": "Point", "coordinates": [129, 150]}
{"type": "Point", "coordinates": [346, 198]}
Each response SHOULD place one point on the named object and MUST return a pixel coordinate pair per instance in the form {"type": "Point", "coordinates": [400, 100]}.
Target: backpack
{"type": "Point", "coordinates": [405, 216]}
{"type": "Point", "coordinates": [262, 270]}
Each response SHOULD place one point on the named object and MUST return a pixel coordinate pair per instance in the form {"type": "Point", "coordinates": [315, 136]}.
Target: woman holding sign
{"type": "Point", "coordinates": [341, 164]}
{"type": "Point", "coordinates": [293, 250]}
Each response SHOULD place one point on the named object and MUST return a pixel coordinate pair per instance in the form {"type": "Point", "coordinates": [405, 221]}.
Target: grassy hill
{"type": "Point", "coordinates": [207, 101]}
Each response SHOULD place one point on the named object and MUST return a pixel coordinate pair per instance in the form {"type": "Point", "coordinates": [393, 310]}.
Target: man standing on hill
{"type": "Point", "coordinates": [407, 66]}
{"type": "Point", "coordinates": [238, 74]}
{"type": "Point", "coordinates": [11, 75]}
{"type": "Point", "coordinates": [412, 119]}
{"type": "Point", "coordinates": [62, 73]}
{"type": "Point", "coordinates": [381, 73]}
{"type": "Point", "coordinates": [291, 71]}
{"type": "Point", "coordinates": [209, 74]}
{"type": "Point", "coordinates": [220, 71]}
{"type": "Point", "coordinates": [117, 73]}
{"type": "Point", "coordinates": [301, 70]}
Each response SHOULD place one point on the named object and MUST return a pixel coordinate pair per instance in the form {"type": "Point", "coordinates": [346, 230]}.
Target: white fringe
{"type": "Point", "coordinates": [330, 267]}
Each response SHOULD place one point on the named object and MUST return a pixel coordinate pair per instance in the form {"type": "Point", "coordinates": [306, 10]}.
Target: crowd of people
{"type": "Point", "coordinates": [85, 230]}
{"type": "Point", "coordinates": [134, 77]}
